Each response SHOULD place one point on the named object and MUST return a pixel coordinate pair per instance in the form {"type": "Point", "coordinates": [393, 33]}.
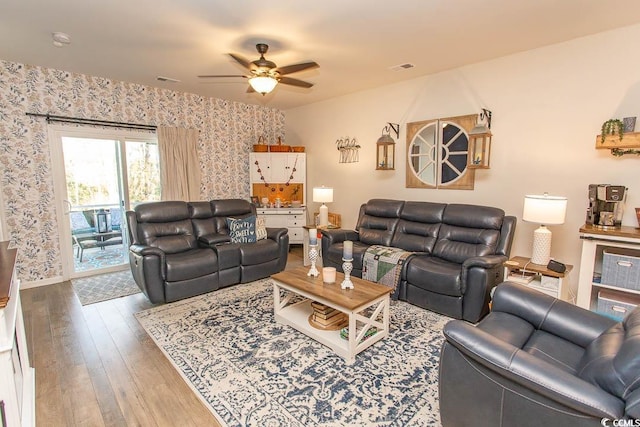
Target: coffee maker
{"type": "Point", "coordinates": [606, 205]}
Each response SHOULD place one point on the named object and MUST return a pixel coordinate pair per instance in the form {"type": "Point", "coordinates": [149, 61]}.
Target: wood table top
{"type": "Point", "coordinates": [364, 291]}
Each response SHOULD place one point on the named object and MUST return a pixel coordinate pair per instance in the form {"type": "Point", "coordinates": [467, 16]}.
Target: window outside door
{"type": "Point", "coordinates": [99, 174]}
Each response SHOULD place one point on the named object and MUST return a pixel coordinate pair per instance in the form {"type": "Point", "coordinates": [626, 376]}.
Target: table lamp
{"type": "Point", "coordinates": [323, 195]}
{"type": "Point", "coordinates": [545, 210]}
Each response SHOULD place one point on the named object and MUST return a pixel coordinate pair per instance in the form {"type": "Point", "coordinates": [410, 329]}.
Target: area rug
{"type": "Point", "coordinates": [251, 371]}
{"type": "Point", "coordinates": [104, 287]}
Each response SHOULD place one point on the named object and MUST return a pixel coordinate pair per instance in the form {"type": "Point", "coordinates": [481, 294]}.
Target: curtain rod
{"type": "Point", "coordinates": [77, 120]}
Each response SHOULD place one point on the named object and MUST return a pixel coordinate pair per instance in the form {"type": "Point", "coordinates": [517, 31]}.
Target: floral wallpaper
{"type": "Point", "coordinates": [227, 132]}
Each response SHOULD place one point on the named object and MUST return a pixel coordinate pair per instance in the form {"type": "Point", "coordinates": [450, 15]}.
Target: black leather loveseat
{"type": "Point", "coordinates": [458, 251]}
{"type": "Point", "coordinates": [538, 361]}
{"type": "Point", "coordinates": [180, 249]}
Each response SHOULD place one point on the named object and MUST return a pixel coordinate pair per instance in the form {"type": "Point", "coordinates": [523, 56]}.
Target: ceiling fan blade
{"type": "Point", "coordinates": [297, 67]}
{"type": "Point", "coordinates": [294, 82]}
{"type": "Point", "coordinates": [240, 60]}
{"type": "Point", "coordinates": [250, 89]}
{"type": "Point", "coordinates": [221, 75]}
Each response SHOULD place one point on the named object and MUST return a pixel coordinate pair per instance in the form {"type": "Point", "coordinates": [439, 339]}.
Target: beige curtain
{"type": "Point", "coordinates": [179, 165]}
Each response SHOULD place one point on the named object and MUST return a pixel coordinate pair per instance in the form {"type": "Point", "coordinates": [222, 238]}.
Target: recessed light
{"type": "Point", "coordinates": [60, 39]}
{"type": "Point", "coordinates": [167, 79]}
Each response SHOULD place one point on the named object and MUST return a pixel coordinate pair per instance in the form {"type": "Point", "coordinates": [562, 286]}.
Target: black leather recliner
{"type": "Point", "coordinates": [538, 361]}
{"type": "Point", "coordinates": [457, 251]}
{"type": "Point", "coordinates": [179, 249]}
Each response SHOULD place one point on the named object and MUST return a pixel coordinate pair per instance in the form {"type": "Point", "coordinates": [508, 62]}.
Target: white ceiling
{"type": "Point", "coordinates": [354, 41]}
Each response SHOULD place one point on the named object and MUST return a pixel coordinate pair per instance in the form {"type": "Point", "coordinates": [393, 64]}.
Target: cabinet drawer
{"type": "Point", "coordinates": [295, 235]}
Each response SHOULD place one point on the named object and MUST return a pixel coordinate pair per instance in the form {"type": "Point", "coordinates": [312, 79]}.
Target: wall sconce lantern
{"type": "Point", "coordinates": [480, 142]}
{"type": "Point", "coordinates": [386, 147]}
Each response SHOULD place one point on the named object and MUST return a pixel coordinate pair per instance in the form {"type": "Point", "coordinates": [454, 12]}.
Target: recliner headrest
{"type": "Point", "coordinates": [165, 211]}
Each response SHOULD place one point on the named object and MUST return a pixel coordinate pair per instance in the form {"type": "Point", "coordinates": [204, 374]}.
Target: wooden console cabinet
{"type": "Point", "coordinates": [17, 378]}
{"type": "Point", "coordinates": [595, 241]}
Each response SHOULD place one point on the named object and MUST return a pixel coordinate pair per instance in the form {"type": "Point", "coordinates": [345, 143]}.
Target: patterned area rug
{"type": "Point", "coordinates": [251, 371]}
{"type": "Point", "coordinates": [104, 287]}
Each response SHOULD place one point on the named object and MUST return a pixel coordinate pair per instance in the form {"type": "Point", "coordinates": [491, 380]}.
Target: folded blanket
{"type": "Point", "coordinates": [383, 264]}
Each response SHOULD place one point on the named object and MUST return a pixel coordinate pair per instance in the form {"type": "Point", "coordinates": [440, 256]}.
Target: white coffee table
{"type": "Point", "coordinates": [352, 302]}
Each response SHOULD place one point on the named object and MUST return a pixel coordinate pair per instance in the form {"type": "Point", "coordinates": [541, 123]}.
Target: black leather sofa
{"type": "Point", "coordinates": [538, 361]}
{"type": "Point", "coordinates": [458, 251]}
{"type": "Point", "coordinates": [182, 249]}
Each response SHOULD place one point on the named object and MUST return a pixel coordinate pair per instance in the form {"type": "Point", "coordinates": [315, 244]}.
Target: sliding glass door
{"type": "Point", "coordinates": [99, 175]}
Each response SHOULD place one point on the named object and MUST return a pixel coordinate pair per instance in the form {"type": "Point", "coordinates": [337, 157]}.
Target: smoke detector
{"type": "Point", "coordinates": [61, 39]}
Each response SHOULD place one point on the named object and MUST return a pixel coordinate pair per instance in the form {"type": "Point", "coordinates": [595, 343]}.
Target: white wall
{"type": "Point", "coordinates": [548, 105]}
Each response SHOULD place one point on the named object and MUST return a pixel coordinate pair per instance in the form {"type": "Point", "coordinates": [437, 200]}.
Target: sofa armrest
{"type": "Point", "coordinates": [210, 240]}
{"type": "Point", "coordinates": [146, 252]}
{"type": "Point", "coordinates": [535, 374]}
{"type": "Point", "coordinates": [488, 261]}
{"type": "Point", "coordinates": [549, 314]}
{"type": "Point", "coordinates": [339, 236]}
{"type": "Point", "coordinates": [143, 250]}
{"type": "Point", "coordinates": [276, 233]}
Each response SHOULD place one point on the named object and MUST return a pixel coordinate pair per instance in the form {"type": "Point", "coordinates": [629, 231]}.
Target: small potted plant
{"type": "Point", "coordinates": [611, 127]}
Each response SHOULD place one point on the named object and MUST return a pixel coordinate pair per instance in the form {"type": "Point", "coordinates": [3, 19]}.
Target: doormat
{"type": "Point", "coordinates": [251, 371]}
{"type": "Point", "coordinates": [104, 287]}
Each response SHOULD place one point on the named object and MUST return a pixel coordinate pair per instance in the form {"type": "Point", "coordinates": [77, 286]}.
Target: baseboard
{"type": "Point", "coordinates": [50, 281]}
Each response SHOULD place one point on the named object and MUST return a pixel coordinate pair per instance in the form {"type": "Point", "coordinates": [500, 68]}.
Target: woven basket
{"type": "Point", "coordinates": [260, 148]}
{"type": "Point", "coordinates": [297, 149]}
{"type": "Point", "coordinates": [279, 148]}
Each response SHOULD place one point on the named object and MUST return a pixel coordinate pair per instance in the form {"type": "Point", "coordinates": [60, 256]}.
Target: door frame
{"type": "Point", "coordinates": [55, 133]}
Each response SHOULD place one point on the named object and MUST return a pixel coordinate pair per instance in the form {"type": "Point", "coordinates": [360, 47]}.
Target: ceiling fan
{"type": "Point", "coordinates": [264, 75]}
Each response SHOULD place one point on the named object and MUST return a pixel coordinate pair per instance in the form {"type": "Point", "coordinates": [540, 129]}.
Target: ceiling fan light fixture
{"type": "Point", "coordinates": [263, 84]}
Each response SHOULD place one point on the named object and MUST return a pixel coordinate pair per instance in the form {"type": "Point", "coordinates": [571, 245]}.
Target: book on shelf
{"type": "Point", "coordinates": [523, 277]}
{"type": "Point", "coordinates": [328, 315]}
{"type": "Point", "coordinates": [320, 308]}
{"type": "Point", "coordinates": [344, 333]}
{"type": "Point", "coordinates": [330, 321]}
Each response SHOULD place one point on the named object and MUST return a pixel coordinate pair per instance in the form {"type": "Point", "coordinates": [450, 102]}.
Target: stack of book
{"type": "Point", "coordinates": [520, 276]}
{"type": "Point", "coordinates": [325, 317]}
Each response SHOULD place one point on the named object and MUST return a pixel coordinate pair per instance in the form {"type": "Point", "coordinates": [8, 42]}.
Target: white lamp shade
{"type": "Point", "coordinates": [263, 84]}
{"type": "Point", "coordinates": [323, 194]}
{"type": "Point", "coordinates": [544, 209]}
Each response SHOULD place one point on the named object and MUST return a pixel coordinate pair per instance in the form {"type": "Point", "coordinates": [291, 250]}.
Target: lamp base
{"type": "Point", "coordinates": [323, 216]}
{"type": "Point", "coordinates": [541, 246]}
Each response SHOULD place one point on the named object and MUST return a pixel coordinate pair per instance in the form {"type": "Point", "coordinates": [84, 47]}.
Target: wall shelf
{"type": "Point", "coordinates": [629, 140]}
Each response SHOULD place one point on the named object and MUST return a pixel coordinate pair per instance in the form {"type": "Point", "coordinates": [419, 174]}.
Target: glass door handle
{"type": "Point", "coordinates": [67, 203]}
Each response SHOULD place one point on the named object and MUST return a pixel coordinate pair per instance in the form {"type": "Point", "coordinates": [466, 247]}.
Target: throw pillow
{"type": "Point", "coordinates": [242, 230]}
{"type": "Point", "coordinates": [261, 229]}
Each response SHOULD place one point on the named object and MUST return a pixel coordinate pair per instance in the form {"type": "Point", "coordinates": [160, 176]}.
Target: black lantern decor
{"type": "Point", "coordinates": [102, 220]}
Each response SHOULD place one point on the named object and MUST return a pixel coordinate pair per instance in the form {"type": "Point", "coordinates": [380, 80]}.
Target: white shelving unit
{"type": "Point", "coordinates": [594, 242]}
{"type": "Point", "coordinates": [276, 169]}
{"type": "Point", "coordinates": [17, 378]}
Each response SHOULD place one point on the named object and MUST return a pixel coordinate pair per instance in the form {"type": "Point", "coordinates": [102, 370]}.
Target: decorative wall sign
{"type": "Point", "coordinates": [348, 149]}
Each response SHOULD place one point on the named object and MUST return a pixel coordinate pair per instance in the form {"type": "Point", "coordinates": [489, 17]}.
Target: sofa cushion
{"type": "Point", "coordinates": [202, 219]}
{"type": "Point", "coordinates": [435, 275]}
{"type": "Point", "coordinates": [611, 361]}
{"type": "Point", "coordinates": [191, 264]}
{"type": "Point", "coordinates": [242, 230]}
{"type": "Point", "coordinates": [259, 252]}
{"type": "Point", "coordinates": [378, 221]}
{"type": "Point", "coordinates": [418, 227]}
{"type": "Point", "coordinates": [261, 228]}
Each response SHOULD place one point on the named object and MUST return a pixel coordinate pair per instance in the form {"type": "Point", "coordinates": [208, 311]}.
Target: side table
{"type": "Point", "coordinates": [541, 278]}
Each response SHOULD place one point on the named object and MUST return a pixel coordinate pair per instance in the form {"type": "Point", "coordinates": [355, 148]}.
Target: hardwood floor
{"type": "Point", "coordinates": [96, 366]}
